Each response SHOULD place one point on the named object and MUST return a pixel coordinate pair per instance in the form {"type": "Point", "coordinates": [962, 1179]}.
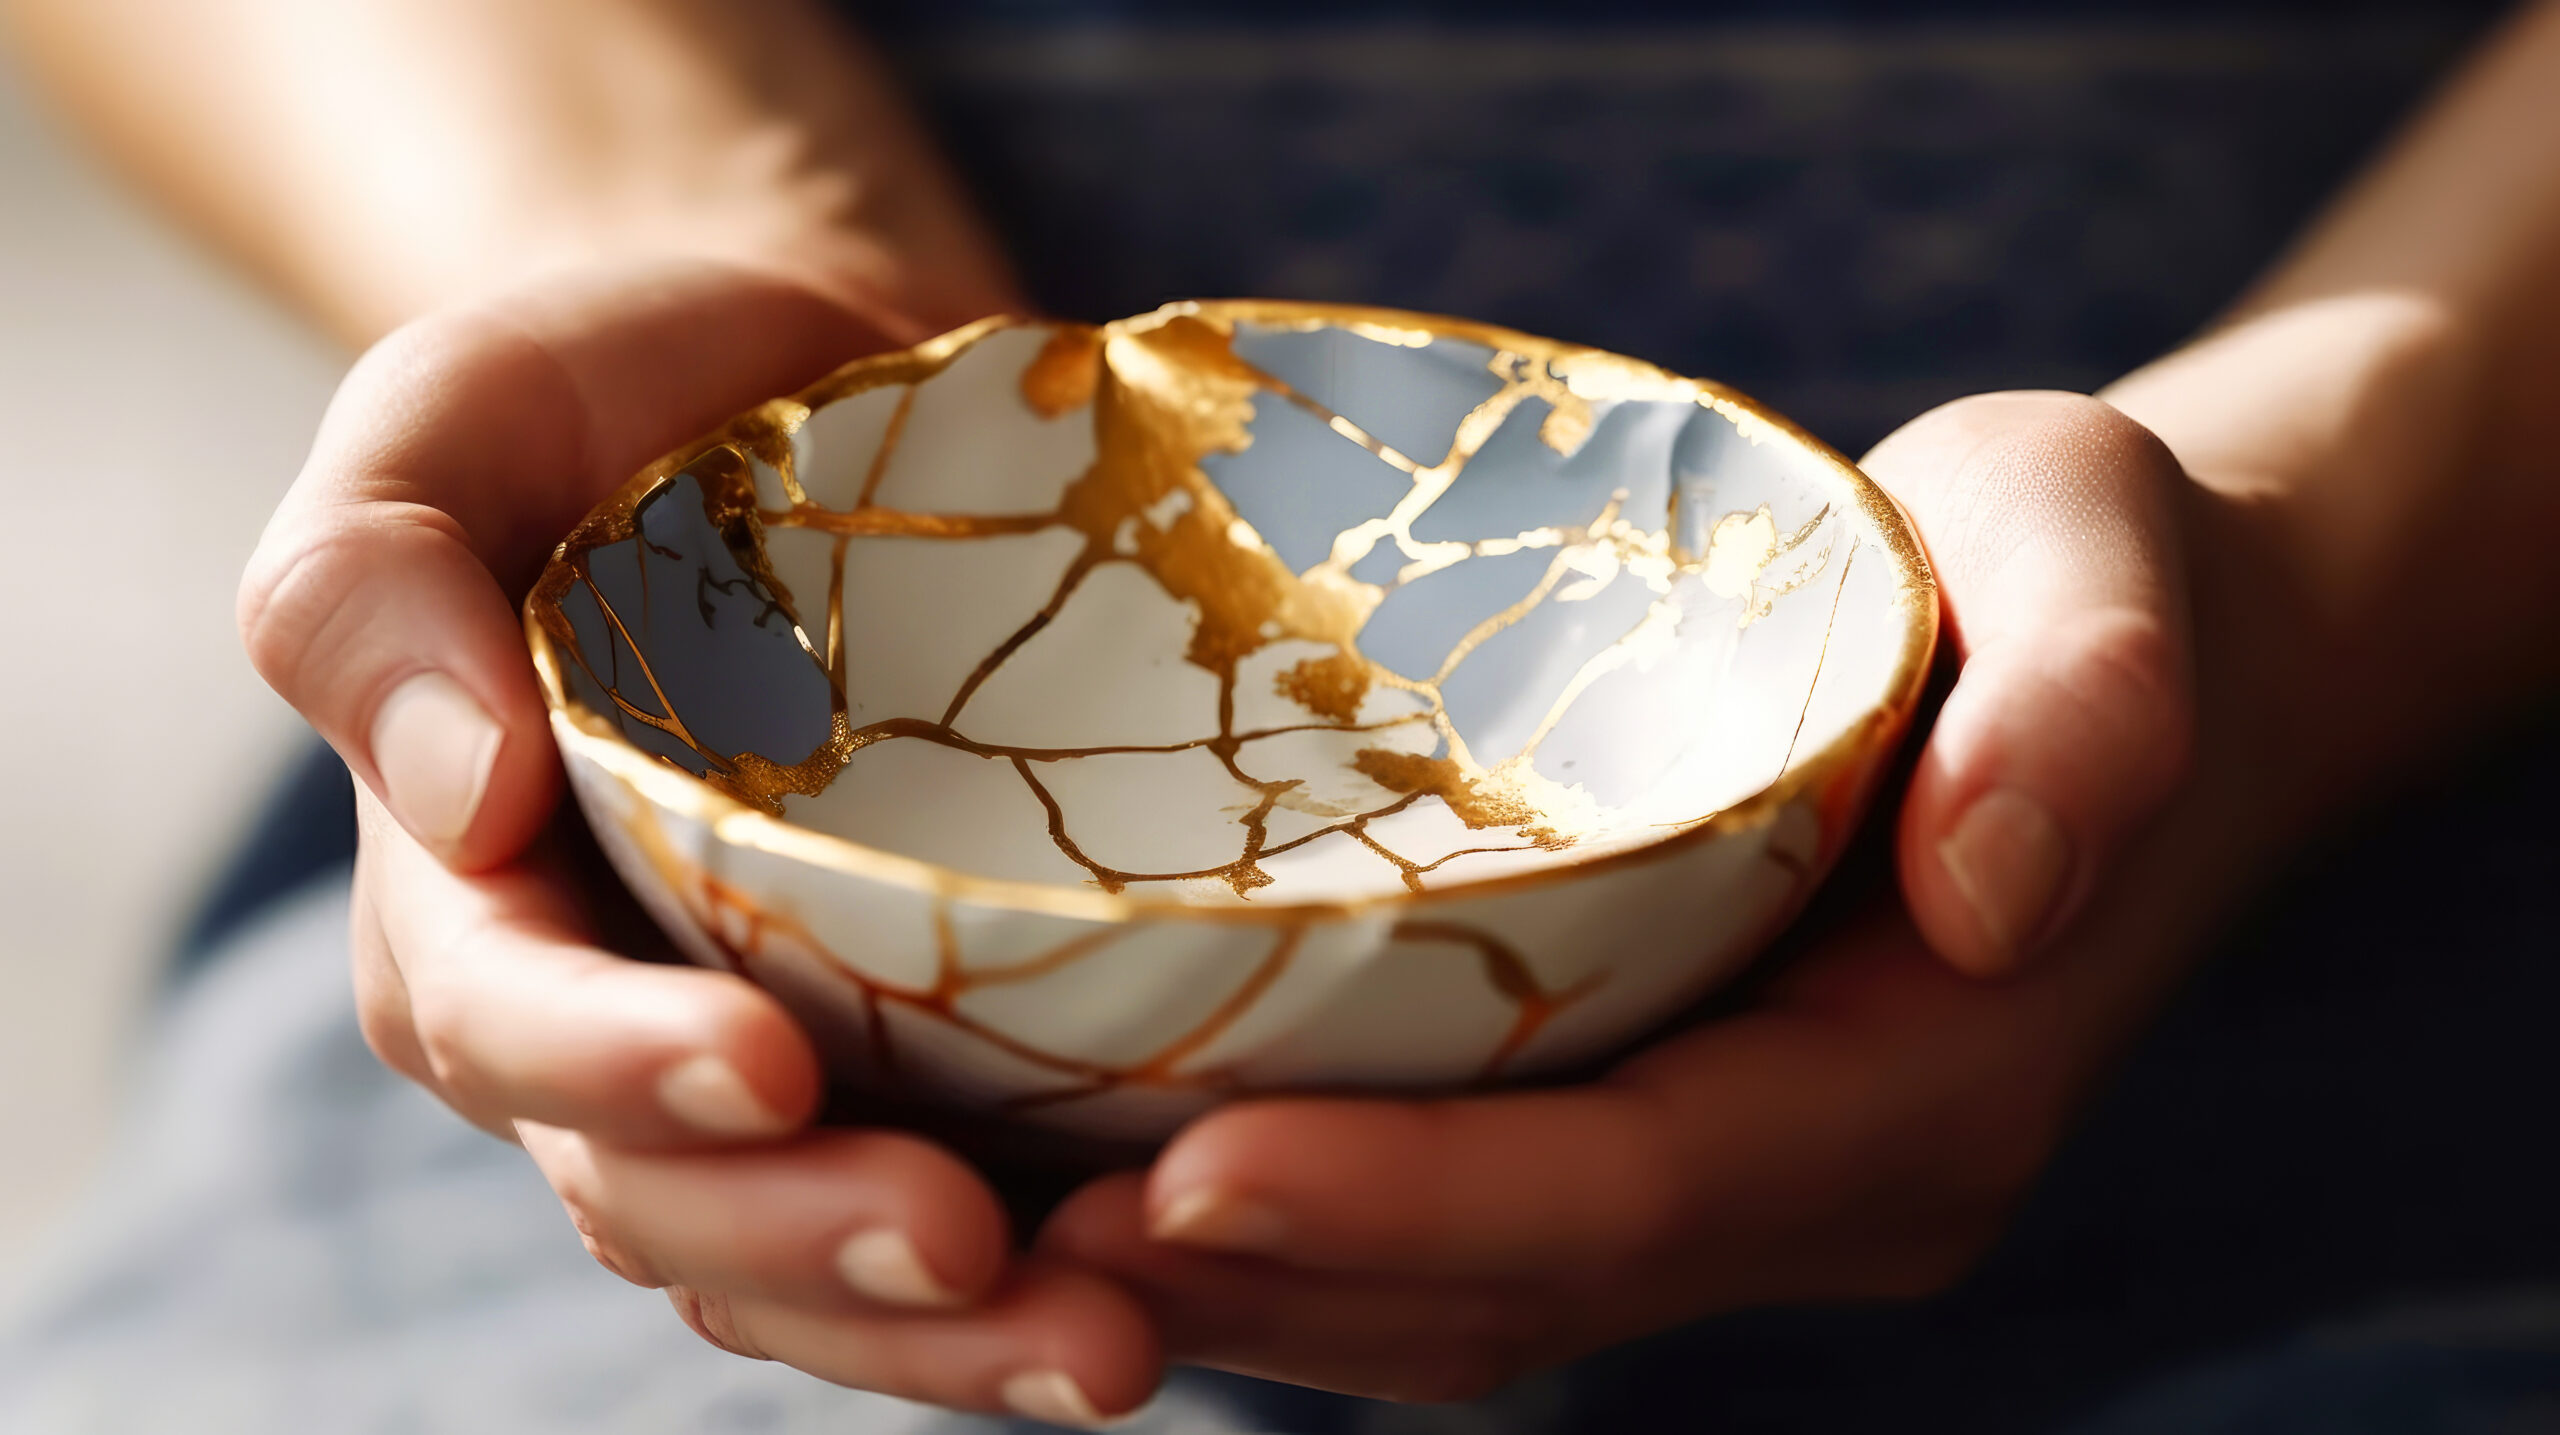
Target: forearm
{"type": "Point", "coordinates": [376, 160]}
{"type": "Point", "coordinates": [2381, 408]}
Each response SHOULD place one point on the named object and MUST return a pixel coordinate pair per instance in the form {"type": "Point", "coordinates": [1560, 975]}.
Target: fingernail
{"type": "Point", "coordinates": [881, 1264]}
{"type": "Point", "coordinates": [1219, 1221]}
{"type": "Point", "coordinates": [1051, 1395]}
{"type": "Point", "coordinates": [2010, 859]}
{"type": "Point", "coordinates": [709, 1095]}
{"type": "Point", "coordinates": [434, 747]}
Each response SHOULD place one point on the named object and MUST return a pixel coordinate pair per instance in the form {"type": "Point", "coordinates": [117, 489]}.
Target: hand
{"type": "Point", "coordinates": [1863, 1130]}
{"type": "Point", "coordinates": [2052, 522]}
{"type": "Point", "coordinates": [667, 1105]}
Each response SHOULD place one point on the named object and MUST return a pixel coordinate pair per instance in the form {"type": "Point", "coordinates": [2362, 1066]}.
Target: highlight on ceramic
{"type": "Point", "coordinates": [1085, 725]}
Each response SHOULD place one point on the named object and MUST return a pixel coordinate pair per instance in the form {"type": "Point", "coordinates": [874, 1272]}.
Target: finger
{"type": "Point", "coordinates": [383, 1016]}
{"type": "Point", "coordinates": [454, 455]}
{"type": "Point", "coordinates": [2049, 519]}
{"type": "Point", "coordinates": [382, 999]}
{"type": "Point", "coordinates": [1828, 1146]}
{"type": "Point", "coordinates": [1384, 1338]}
{"type": "Point", "coordinates": [831, 1221]}
{"type": "Point", "coordinates": [516, 1014]}
{"type": "Point", "coordinates": [1053, 1344]}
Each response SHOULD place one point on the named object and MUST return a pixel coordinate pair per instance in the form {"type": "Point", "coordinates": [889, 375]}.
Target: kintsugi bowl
{"type": "Point", "coordinates": [1086, 725]}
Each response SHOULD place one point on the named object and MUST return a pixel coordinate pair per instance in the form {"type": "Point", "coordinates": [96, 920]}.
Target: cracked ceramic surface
{"type": "Point", "coordinates": [1088, 724]}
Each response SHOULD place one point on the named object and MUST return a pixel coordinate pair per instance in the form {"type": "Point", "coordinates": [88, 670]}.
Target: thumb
{"type": "Point", "coordinates": [380, 602]}
{"type": "Point", "coordinates": [2051, 521]}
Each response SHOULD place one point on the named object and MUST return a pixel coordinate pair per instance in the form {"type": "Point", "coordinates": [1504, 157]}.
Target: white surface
{"type": "Point", "coordinates": [154, 408]}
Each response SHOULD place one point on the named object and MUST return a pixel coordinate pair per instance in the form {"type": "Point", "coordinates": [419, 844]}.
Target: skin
{"type": "Point", "coordinates": [2258, 580]}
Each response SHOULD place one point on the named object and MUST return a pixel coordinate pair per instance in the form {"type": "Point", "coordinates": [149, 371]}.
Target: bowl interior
{"type": "Point", "coordinates": [1243, 604]}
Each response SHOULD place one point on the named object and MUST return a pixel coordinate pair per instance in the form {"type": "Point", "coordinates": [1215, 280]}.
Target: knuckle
{"type": "Point", "coordinates": [605, 1257]}
{"type": "Point", "coordinates": [2127, 671]}
{"type": "Point", "coordinates": [2051, 450]}
{"type": "Point", "coordinates": [443, 1041]}
{"type": "Point", "coordinates": [612, 1254]}
{"type": "Point", "coordinates": [709, 1315]}
{"type": "Point", "coordinates": [302, 601]}
{"type": "Point", "coordinates": [385, 1028]}
{"type": "Point", "coordinates": [568, 1164]}
{"type": "Point", "coordinates": [278, 601]}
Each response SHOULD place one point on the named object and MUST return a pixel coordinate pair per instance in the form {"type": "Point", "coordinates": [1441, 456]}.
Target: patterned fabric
{"type": "Point", "coordinates": [1851, 224]}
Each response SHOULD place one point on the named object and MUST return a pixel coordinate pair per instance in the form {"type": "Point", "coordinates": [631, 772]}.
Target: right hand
{"type": "Point", "coordinates": [667, 1105]}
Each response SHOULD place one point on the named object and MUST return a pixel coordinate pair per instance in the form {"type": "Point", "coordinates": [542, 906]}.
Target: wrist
{"type": "Point", "coordinates": [2345, 452]}
{"type": "Point", "coordinates": [2336, 420]}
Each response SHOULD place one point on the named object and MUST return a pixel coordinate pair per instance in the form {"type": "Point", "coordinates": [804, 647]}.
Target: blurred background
{"type": "Point", "coordinates": [154, 409]}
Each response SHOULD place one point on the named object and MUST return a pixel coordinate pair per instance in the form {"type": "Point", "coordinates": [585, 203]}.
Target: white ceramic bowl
{"type": "Point", "coordinates": [1086, 725]}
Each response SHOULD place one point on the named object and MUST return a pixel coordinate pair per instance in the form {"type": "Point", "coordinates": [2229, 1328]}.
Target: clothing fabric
{"type": "Point", "coordinates": [1851, 221]}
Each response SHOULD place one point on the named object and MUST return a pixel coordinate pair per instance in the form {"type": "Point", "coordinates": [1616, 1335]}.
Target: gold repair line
{"type": "Point", "coordinates": [1437, 862]}
{"type": "Point", "coordinates": [672, 724]}
{"type": "Point", "coordinates": [1430, 484]}
{"type": "Point", "coordinates": [835, 621]}
{"type": "Point", "coordinates": [1821, 655]}
{"type": "Point", "coordinates": [1568, 374]}
{"type": "Point", "coordinates": [786, 459]}
{"type": "Point", "coordinates": [1494, 626]}
{"type": "Point", "coordinates": [946, 951]}
{"type": "Point", "coordinates": [1482, 633]}
{"type": "Point", "coordinates": [1284, 946]}
{"type": "Point", "coordinates": [1511, 977]}
{"type": "Point", "coordinates": [1599, 665]}
{"type": "Point", "coordinates": [1058, 831]}
{"type": "Point", "coordinates": [938, 1002]}
{"type": "Point", "coordinates": [890, 729]}
{"type": "Point", "coordinates": [1763, 600]}
{"type": "Point", "coordinates": [1245, 873]}
{"type": "Point", "coordinates": [1385, 451]}
{"type": "Point", "coordinates": [1056, 959]}
{"type": "Point", "coordinates": [897, 523]}
{"type": "Point", "coordinates": [889, 438]}
{"type": "Point", "coordinates": [1084, 564]}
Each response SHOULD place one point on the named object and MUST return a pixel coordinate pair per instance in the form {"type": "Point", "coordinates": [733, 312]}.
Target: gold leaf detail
{"type": "Point", "coordinates": [1331, 686]}
{"type": "Point", "coordinates": [1062, 377]}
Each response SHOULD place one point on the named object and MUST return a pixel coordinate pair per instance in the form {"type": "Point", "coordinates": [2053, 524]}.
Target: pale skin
{"type": "Point", "coordinates": [2241, 588]}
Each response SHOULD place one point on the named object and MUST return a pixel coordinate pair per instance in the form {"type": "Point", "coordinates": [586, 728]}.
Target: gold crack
{"type": "Point", "coordinates": [1166, 392]}
{"type": "Point", "coordinates": [1821, 656]}
{"type": "Point", "coordinates": [1511, 978]}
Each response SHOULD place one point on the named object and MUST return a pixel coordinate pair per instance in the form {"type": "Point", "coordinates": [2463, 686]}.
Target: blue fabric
{"type": "Point", "coordinates": [2487, 1365]}
{"type": "Point", "coordinates": [304, 833]}
{"type": "Point", "coordinates": [1853, 224]}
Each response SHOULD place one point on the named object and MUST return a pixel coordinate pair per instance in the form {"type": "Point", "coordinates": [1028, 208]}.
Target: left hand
{"type": "Point", "coordinates": [1860, 1133]}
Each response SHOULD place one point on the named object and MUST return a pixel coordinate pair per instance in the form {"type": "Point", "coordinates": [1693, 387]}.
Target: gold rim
{"type": "Point", "coordinates": [585, 733]}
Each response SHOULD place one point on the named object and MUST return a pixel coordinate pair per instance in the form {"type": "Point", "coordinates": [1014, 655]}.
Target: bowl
{"type": "Point", "coordinates": [1079, 726]}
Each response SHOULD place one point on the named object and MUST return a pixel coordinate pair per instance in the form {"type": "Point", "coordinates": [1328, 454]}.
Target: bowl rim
{"type": "Point", "coordinates": [581, 732]}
